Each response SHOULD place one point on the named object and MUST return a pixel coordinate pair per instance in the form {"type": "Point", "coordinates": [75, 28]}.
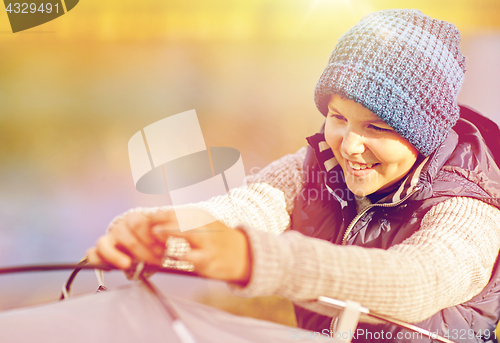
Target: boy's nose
{"type": "Point", "coordinates": [352, 143]}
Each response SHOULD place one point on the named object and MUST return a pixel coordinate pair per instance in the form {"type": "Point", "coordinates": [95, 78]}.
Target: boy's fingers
{"type": "Point", "coordinates": [144, 235]}
{"type": "Point", "coordinates": [162, 217]}
{"type": "Point", "coordinates": [139, 225]}
{"type": "Point", "coordinates": [107, 251]}
{"type": "Point", "coordinates": [162, 231]}
{"type": "Point", "coordinates": [125, 238]}
{"type": "Point", "coordinates": [162, 224]}
{"type": "Point", "coordinates": [93, 257]}
{"type": "Point", "coordinates": [196, 256]}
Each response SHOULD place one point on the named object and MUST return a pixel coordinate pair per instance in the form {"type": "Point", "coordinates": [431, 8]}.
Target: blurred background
{"type": "Point", "coordinates": [73, 91]}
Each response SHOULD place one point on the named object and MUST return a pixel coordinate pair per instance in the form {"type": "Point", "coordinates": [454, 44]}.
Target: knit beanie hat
{"type": "Point", "coordinates": [403, 66]}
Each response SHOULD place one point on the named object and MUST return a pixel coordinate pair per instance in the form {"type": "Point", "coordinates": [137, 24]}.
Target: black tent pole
{"type": "Point", "coordinates": [177, 324]}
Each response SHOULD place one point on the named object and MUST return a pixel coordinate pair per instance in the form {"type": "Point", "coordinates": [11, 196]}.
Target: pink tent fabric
{"type": "Point", "coordinates": [134, 314]}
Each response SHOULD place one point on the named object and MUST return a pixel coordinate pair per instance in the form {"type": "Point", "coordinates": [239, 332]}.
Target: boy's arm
{"type": "Point", "coordinates": [445, 263]}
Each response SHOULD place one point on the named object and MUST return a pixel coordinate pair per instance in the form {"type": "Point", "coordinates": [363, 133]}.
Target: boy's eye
{"type": "Point", "coordinates": [337, 116]}
{"type": "Point", "coordinates": [379, 129]}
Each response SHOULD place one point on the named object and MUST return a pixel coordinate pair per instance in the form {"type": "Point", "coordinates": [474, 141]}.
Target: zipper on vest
{"type": "Point", "coordinates": [342, 202]}
{"type": "Point", "coordinates": [367, 208]}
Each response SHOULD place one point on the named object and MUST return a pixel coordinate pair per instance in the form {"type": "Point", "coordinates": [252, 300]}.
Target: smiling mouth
{"type": "Point", "coordinates": [357, 166]}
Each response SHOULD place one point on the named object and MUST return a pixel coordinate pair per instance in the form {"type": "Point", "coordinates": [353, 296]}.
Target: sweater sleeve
{"type": "Point", "coordinates": [264, 204]}
{"type": "Point", "coordinates": [446, 262]}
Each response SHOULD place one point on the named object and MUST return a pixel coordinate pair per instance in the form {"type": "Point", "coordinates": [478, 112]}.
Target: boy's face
{"type": "Point", "coordinates": [372, 155]}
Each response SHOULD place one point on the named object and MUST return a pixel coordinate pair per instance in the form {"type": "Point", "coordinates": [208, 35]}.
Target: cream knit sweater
{"type": "Point", "coordinates": [445, 263]}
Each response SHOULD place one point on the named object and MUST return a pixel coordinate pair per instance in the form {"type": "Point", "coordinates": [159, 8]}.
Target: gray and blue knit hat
{"type": "Point", "coordinates": [403, 66]}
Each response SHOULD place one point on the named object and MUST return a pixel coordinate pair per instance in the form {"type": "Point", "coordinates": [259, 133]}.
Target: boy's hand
{"type": "Point", "coordinates": [127, 239]}
{"type": "Point", "coordinates": [216, 250]}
